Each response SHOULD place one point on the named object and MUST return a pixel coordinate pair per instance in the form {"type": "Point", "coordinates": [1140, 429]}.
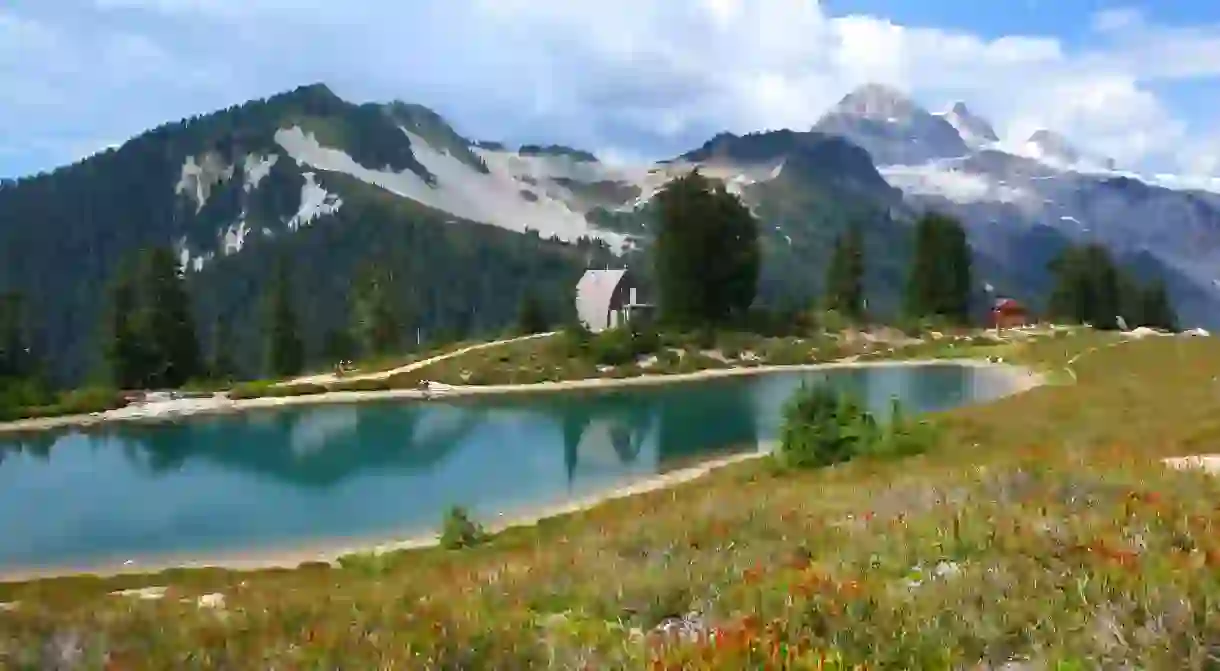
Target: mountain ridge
{"type": "Point", "coordinates": [332, 184]}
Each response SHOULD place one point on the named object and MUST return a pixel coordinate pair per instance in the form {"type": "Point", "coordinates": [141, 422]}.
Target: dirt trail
{"type": "Point", "coordinates": [329, 378]}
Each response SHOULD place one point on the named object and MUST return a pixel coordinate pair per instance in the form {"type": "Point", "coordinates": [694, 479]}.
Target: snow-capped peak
{"type": "Point", "coordinates": [975, 130]}
{"type": "Point", "coordinates": [878, 102]}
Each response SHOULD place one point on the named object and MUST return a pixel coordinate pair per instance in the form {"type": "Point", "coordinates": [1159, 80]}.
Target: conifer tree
{"type": "Point", "coordinates": [124, 349]}
{"type": "Point", "coordinates": [845, 275]}
{"type": "Point", "coordinates": [1156, 309]}
{"type": "Point", "coordinates": [167, 322]}
{"type": "Point", "coordinates": [375, 323]}
{"type": "Point", "coordinates": [706, 252]}
{"type": "Point", "coordinates": [531, 318]}
{"type": "Point", "coordinates": [285, 353]}
{"type": "Point", "coordinates": [939, 283]}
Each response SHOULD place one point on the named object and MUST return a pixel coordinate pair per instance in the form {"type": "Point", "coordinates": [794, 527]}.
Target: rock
{"type": "Point", "coordinates": [688, 628]}
{"type": "Point", "coordinates": [214, 600]}
{"type": "Point", "coordinates": [144, 593]}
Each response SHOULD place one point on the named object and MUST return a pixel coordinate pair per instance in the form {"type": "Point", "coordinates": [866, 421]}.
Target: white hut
{"type": "Point", "coordinates": [606, 299]}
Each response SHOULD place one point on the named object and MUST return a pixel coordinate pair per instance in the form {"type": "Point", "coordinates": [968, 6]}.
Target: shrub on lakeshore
{"type": "Point", "coordinates": [822, 427]}
{"type": "Point", "coordinates": [458, 531]}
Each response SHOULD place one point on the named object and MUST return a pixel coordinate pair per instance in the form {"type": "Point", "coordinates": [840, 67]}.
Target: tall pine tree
{"type": "Point", "coordinates": [845, 275]}
{"type": "Point", "coordinates": [1089, 288]}
{"type": "Point", "coordinates": [285, 353]}
{"type": "Point", "coordinates": [150, 331]}
{"type": "Point", "coordinates": [939, 284]}
{"type": "Point", "coordinates": [166, 321]}
{"type": "Point", "coordinates": [706, 252]}
{"type": "Point", "coordinates": [125, 349]}
{"type": "Point", "coordinates": [1155, 309]}
{"type": "Point", "coordinates": [375, 322]}
{"type": "Point", "coordinates": [221, 365]}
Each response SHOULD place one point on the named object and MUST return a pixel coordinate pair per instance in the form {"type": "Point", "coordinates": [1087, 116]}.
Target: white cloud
{"type": "Point", "coordinates": [638, 75]}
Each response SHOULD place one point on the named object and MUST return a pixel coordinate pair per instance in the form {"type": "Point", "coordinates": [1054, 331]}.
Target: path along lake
{"type": "Point", "coordinates": [299, 476]}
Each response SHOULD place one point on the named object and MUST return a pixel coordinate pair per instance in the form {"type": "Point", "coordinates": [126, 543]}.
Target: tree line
{"type": "Point", "coordinates": [706, 264]}
{"type": "Point", "coordinates": [706, 261]}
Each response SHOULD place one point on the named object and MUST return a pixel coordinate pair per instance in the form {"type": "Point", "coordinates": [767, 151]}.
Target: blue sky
{"type": "Point", "coordinates": [630, 80]}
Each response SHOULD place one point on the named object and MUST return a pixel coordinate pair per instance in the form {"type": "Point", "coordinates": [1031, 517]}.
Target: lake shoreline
{"type": "Point", "coordinates": [329, 551]}
{"type": "Point", "coordinates": [170, 411]}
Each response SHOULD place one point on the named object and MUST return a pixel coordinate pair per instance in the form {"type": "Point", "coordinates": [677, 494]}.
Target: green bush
{"type": "Point", "coordinates": [832, 321]}
{"type": "Point", "coordinates": [822, 427]}
{"type": "Point", "coordinates": [459, 531]}
{"type": "Point", "coordinates": [76, 402]}
{"type": "Point", "coordinates": [575, 339]}
{"type": "Point", "coordinates": [902, 436]}
{"type": "Point", "coordinates": [619, 346]}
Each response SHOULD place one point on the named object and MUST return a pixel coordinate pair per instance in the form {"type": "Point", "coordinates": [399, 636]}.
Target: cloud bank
{"type": "Point", "coordinates": [633, 79]}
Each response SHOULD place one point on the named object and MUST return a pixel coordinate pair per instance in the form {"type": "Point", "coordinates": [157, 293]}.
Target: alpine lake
{"type": "Point", "coordinates": [268, 480]}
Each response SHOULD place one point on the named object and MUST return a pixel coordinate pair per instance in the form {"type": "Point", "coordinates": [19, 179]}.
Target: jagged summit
{"type": "Point", "coordinates": [1051, 146]}
{"type": "Point", "coordinates": [892, 127]}
{"type": "Point", "coordinates": [878, 102]}
{"type": "Point", "coordinates": [975, 130]}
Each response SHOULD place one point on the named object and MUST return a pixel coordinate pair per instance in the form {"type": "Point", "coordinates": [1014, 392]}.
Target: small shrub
{"type": "Point", "coordinates": [822, 427]}
{"type": "Point", "coordinates": [902, 436]}
{"type": "Point", "coordinates": [459, 531]}
{"type": "Point", "coordinates": [619, 346]}
{"type": "Point", "coordinates": [832, 321]}
{"type": "Point", "coordinates": [576, 339]}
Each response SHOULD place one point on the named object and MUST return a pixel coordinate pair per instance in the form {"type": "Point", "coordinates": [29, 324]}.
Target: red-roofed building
{"type": "Point", "coordinates": [1008, 313]}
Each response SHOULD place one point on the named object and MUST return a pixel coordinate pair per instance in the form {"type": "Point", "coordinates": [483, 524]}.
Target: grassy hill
{"type": "Point", "coordinates": [1043, 528]}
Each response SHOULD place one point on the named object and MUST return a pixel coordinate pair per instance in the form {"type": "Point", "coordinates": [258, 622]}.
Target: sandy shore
{"type": "Point", "coordinates": [1023, 379]}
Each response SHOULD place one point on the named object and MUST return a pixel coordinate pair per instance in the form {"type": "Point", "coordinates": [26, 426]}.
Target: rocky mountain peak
{"type": "Point", "coordinates": [878, 102]}
{"type": "Point", "coordinates": [975, 130]}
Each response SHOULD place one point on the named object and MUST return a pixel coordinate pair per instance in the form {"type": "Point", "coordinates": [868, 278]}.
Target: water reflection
{"type": "Point", "coordinates": [273, 476]}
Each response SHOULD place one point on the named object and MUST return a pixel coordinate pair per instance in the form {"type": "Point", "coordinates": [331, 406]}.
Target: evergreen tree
{"type": "Point", "coordinates": [339, 345]}
{"type": "Point", "coordinates": [125, 350]}
{"type": "Point", "coordinates": [845, 275]}
{"type": "Point", "coordinates": [375, 324]}
{"type": "Point", "coordinates": [166, 322]}
{"type": "Point", "coordinates": [939, 283]}
{"type": "Point", "coordinates": [221, 365]}
{"type": "Point", "coordinates": [285, 353]}
{"type": "Point", "coordinates": [531, 318]}
{"type": "Point", "coordinates": [1156, 310]}
{"type": "Point", "coordinates": [16, 360]}
{"type": "Point", "coordinates": [706, 252]}
{"type": "Point", "coordinates": [1089, 288]}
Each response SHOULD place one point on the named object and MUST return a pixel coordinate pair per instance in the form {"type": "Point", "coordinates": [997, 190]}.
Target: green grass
{"type": "Point", "coordinates": [1042, 527]}
{"type": "Point", "coordinates": [76, 402]}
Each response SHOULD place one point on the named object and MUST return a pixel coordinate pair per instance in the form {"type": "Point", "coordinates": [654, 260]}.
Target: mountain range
{"type": "Point", "coordinates": [320, 184]}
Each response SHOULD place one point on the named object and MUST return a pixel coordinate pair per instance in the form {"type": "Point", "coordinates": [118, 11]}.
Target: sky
{"type": "Point", "coordinates": [630, 80]}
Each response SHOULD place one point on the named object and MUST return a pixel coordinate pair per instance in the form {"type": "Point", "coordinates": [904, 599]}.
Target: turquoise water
{"type": "Point", "coordinates": [288, 477]}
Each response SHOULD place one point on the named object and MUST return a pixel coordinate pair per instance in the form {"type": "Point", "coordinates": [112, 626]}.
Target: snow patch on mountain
{"type": "Point", "coordinates": [315, 202]}
{"type": "Point", "coordinates": [256, 169]}
{"type": "Point", "coordinates": [233, 238]}
{"type": "Point", "coordinates": [493, 198]}
{"type": "Point", "coordinates": [954, 184]}
{"type": "Point", "coordinates": [199, 175]}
